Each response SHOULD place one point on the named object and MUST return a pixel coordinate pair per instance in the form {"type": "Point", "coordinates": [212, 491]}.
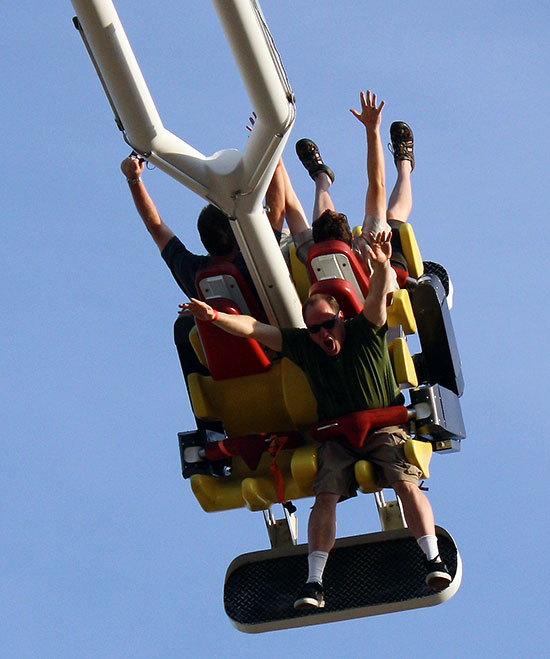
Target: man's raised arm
{"type": "Point", "coordinates": [132, 168]}
{"type": "Point", "coordinates": [236, 324]}
{"type": "Point", "coordinates": [375, 200]}
{"type": "Point", "coordinates": [382, 279]}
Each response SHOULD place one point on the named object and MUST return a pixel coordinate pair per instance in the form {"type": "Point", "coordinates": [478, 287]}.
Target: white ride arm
{"type": "Point", "coordinates": [234, 182]}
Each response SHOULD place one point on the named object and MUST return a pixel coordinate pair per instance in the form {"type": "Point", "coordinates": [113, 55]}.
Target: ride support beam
{"type": "Point", "coordinates": [235, 182]}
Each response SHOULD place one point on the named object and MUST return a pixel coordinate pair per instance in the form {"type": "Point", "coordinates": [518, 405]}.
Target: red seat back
{"type": "Point", "coordinates": [349, 301]}
{"type": "Point", "coordinates": [334, 259]}
{"type": "Point", "coordinates": [224, 279]}
{"type": "Point", "coordinates": [229, 356]}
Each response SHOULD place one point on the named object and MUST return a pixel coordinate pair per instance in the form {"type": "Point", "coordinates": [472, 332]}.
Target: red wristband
{"type": "Point", "coordinates": [216, 314]}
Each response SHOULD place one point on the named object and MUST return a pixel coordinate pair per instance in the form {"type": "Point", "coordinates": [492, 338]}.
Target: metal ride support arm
{"type": "Point", "coordinates": [235, 182]}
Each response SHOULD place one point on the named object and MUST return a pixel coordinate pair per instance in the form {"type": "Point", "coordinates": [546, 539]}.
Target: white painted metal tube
{"type": "Point", "coordinates": [265, 82]}
{"type": "Point", "coordinates": [242, 23]}
{"type": "Point", "coordinates": [121, 74]}
{"type": "Point", "coordinates": [120, 70]}
{"type": "Point", "coordinates": [233, 181]}
{"type": "Point", "coordinates": [268, 269]}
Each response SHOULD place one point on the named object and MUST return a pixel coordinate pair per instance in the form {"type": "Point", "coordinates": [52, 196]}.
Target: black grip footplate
{"type": "Point", "coordinates": [366, 575]}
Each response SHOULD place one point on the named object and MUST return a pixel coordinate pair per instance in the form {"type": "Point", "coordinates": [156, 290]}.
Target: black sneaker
{"type": "Point", "coordinates": [309, 155]}
{"type": "Point", "coordinates": [402, 142]}
{"type": "Point", "coordinates": [312, 596]}
{"type": "Point", "coordinates": [438, 577]}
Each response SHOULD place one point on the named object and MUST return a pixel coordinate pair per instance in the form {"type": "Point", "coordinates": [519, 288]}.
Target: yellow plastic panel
{"type": "Point", "coordinates": [400, 312]}
{"type": "Point", "coordinates": [216, 494]}
{"type": "Point", "coordinates": [261, 493]}
{"type": "Point", "coordinates": [364, 475]}
{"type": "Point", "coordinates": [411, 252]}
{"type": "Point", "coordinates": [199, 401]}
{"type": "Point", "coordinates": [304, 467]}
{"type": "Point", "coordinates": [195, 341]}
{"type": "Point", "coordinates": [298, 397]}
{"type": "Point", "coordinates": [279, 399]}
{"type": "Point", "coordinates": [258, 493]}
{"type": "Point", "coordinates": [299, 274]}
{"type": "Point", "coordinates": [402, 362]}
{"type": "Point", "coordinates": [419, 453]}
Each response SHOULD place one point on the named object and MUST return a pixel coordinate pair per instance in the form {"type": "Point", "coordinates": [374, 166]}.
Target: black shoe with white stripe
{"type": "Point", "coordinates": [438, 577]}
{"type": "Point", "coordinates": [311, 596]}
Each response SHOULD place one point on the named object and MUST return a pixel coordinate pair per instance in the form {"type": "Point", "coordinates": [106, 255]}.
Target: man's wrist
{"type": "Point", "coordinates": [133, 181]}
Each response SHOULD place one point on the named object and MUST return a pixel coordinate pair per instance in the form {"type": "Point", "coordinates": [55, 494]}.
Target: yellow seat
{"type": "Point", "coordinates": [257, 489]}
{"type": "Point", "coordinates": [277, 400]}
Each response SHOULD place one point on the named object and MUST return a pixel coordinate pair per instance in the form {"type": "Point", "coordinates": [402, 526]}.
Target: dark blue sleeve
{"type": "Point", "coordinates": [183, 265]}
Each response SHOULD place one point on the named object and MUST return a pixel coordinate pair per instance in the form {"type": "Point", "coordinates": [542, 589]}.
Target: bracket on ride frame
{"type": "Point", "coordinates": [282, 532]}
{"type": "Point", "coordinates": [390, 513]}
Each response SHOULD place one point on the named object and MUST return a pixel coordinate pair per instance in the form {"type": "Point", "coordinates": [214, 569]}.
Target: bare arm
{"type": "Point", "coordinates": [375, 201]}
{"type": "Point", "coordinates": [236, 324]}
{"type": "Point", "coordinates": [381, 280]}
{"type": "Point", "coordinates": [132, 168]}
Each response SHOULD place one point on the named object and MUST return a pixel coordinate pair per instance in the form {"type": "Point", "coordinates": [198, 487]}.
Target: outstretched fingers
{"type": "Point", "coordinates": [379, 248]}
{"type": "Point", "coordinates": [198, 309]}
{"type": "Point", "coordinates": [370, 114]}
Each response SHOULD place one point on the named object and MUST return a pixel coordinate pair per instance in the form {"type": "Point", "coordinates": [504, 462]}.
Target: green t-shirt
{"type": "Point", "coordinates": [359, 378]}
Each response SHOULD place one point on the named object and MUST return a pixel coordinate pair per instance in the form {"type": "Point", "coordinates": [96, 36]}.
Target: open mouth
{"type": "Point", "coordinates": [330, 344]}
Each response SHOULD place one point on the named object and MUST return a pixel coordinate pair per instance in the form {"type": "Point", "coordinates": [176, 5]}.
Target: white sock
{"type": "Point", "coordinates": [316, 561]}
{"type": "Point", "coordinates": [428, 544]}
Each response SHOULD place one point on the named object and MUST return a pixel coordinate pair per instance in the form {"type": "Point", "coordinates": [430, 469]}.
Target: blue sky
{"type": "Point", "coordinates": [105, 552]}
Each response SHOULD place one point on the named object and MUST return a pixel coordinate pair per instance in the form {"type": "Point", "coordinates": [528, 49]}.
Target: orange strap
{"type": "Point", "coordinates": [223, 449]}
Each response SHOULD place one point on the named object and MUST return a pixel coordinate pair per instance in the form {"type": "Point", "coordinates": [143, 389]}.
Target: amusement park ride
{"type": "Point", "coordinates": [250, 448]}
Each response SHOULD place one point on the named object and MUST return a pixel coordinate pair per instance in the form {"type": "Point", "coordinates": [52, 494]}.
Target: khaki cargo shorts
{"type": "Point", "coordinates": [383, 448]}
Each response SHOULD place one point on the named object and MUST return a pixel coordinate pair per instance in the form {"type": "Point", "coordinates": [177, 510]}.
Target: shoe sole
{"type": "Point", "coordinates": [438, 581]}
{"type": "Point", "coordinates": [309, 603]}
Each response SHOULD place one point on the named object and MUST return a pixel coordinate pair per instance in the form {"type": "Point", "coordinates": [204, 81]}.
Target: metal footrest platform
{"type": "Point", "coordinates": [365, 575]}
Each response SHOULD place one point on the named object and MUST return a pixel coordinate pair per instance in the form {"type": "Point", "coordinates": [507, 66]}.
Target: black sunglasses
{"type": "Point", "coordinates": [328, 324]}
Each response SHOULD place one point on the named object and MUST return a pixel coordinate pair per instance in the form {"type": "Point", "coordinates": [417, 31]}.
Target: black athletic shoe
{"type": "Point", "coordinates": [438, 577]}
{"type": "Point", "coordinates": [312, 596]}
{"type": "Point", "coordinates": [402, 142]}
{"type": "Point", "coordinates": [309, 155]}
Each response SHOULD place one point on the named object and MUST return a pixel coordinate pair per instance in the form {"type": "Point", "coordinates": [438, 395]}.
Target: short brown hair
{"type": "Point", "coordinates": [331, 226]}
{"type": "Point", "coordinates": [215, 231]}
{"type": "Point", "coordinates": [319, 297]}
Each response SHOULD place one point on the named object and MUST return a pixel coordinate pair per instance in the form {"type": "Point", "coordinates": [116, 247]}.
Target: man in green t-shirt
{"type": "Point", "coordinates": [348, 367]}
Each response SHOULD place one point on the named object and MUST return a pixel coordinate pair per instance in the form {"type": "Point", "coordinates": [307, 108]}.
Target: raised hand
{"type": "Point", "coordinates": [199, 309]}
{"type": "Point", "coordinates": [132, 167]}
{"type": "Point", "coordinates": [370, 115]}
{"type": "Point", "coordinates": [380, 248]}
